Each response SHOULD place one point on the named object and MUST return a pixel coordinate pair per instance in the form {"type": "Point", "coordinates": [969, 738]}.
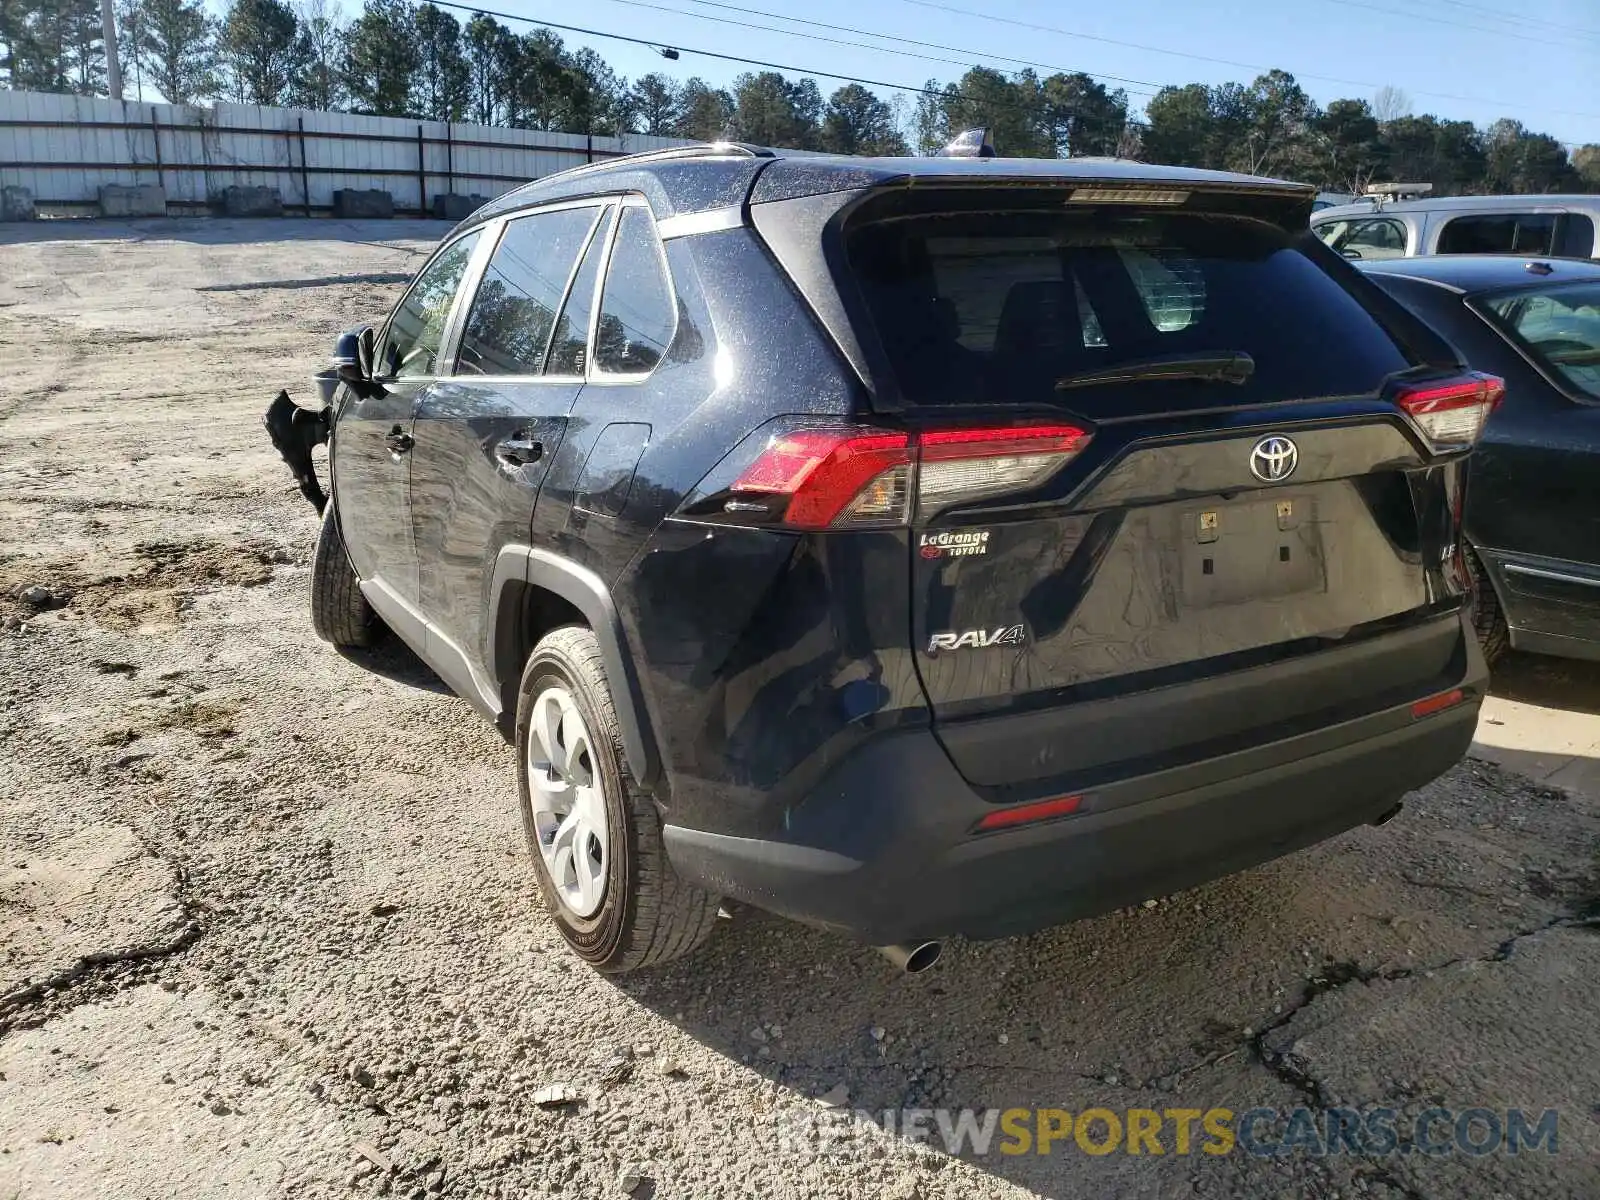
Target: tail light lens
{"type": "Point", "coordinates": [832, 477]}
{"type": "Point", "coordinates": [854, 476]}
{"type": "Point", "coordinates": [960, 465]}
{"type": "Point", "coordinates": [1451, 412]}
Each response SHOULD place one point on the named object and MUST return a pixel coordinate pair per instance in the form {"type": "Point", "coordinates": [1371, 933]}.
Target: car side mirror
{"type": "Point", "coordinates": [353, 354]}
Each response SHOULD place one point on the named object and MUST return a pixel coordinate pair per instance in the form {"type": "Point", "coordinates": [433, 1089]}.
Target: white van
{"type": "Point", "coordinates": [1541, 226]}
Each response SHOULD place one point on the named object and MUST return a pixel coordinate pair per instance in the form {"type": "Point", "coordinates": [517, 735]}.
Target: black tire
{"type": "Point", "coordinates": [1487, 618]}
{"type": "Point", "coordinates": [648, 915]}
{"type": "Point", "coordinates": [339, 612]}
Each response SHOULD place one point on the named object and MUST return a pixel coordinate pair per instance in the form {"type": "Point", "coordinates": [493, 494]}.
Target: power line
{"type": "Point", "coordinates": [888, 37]}
{"type": "Point", "coordinates": [1228, 62]}
{"type": "Point", "coordinates": [914, 89]}
{"type": "Point", "coordinates": [1453, 23]}
{"type": "Point", "coordinates": [1517, 18]}
{"type": "Point", "coordinates": [655, 44]}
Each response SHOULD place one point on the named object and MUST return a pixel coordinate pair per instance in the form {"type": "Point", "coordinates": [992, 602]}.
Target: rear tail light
{"type": "Point", "coordinates": [854, 476]}
{"type": "Point", "coordinates": [958, 465]}
{"type": "Point", "coordinates": [1451, 412]}
{"type": "Point", "coordinates": [833, 477]}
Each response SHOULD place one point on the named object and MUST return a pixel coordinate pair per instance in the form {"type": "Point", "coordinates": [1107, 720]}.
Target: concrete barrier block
{"type": "Point", "coordinates": [238, 201]}
{"type": "Point", "coordinates": [447, 206]}
{"type": "Point", "coordinates": [138, 200]}
{"type": "Point", "coordinates": [347, 202]}
{"type": "Point", "coordinates": [16, 204]}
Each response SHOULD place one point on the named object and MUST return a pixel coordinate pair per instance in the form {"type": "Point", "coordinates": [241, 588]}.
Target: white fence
{"type": "Point", "coordinates": [63, 148]}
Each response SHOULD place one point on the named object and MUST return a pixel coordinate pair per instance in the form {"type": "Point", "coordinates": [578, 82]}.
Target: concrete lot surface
{"type": "Point", "coordinates": [268, 927]}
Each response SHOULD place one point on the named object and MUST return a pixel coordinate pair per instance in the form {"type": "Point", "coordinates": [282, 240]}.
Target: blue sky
{"type": "Point", "coordinates": [1463, 59]}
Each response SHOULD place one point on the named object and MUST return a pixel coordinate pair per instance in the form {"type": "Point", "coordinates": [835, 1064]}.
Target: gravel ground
{"type": "Point", "coordinates": [269, 927]}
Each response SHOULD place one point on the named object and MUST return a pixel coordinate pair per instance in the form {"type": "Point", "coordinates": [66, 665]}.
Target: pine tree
{"type": "Point", "coordinates": [493, 53]}
{"type": "Point", "coordinates": [707, 112]}
{"type": "Point", "coordinates": [130, 21]}
{"type": "Point", "coordinates": [178, 48]}
{"type": "Point", "coordinates": [541, 87]}
{"type": "Point", "coordinates": [857, 122]}
{"type": "Point", "coordinates": [10, 31]}
{"type": "Point", "coordinates": [442, 87]}
{"type": "Point", "coordinates": [381, 59]}
{"type": "Point", "coordinates": [259, 43]}
{"type": "Point", "coordinates": [657, 105]}
{"type": "Point", "coordinates": [54, 46]}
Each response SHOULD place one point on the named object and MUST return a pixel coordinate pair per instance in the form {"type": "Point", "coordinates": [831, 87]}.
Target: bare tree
{"type": "Point", "coordinates": [1389, 103]}
{"type": "Point", "coordinates": [320, 44]}
{"type": "Point", "coordinates": [1130, 142]}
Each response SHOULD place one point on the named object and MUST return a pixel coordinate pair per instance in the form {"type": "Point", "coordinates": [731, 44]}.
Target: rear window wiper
{"type": "Point", "coordinates": [1236, 367]}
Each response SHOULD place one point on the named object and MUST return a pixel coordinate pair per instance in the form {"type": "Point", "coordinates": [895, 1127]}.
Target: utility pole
{"type": "Point", "coordinates": [108, 23]}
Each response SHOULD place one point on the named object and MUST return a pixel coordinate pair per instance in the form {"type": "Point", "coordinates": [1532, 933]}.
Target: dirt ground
{"type": "Point", "coordinates": [268, 926]}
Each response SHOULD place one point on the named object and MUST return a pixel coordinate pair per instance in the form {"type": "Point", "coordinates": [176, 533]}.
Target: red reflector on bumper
{"type": "Point", "coordinates": [1041, 810]}
{"type": "Point", "coordinates": [1433, 704]}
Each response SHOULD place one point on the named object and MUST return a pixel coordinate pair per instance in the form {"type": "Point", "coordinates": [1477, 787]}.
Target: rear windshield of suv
{"type": "Point", "coordinates": [1560, 327]}
{"type": "Point", "coordinates": [1001, 307]}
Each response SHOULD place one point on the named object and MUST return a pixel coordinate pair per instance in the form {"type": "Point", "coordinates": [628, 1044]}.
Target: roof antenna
{"type": "Point", "coordinates": [970, 143]}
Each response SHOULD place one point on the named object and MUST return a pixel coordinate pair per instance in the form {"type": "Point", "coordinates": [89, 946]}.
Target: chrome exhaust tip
{"type": "Point", "coordinates": [1386, 817]}
{"type": "Point", "coordinates": [913, 957]}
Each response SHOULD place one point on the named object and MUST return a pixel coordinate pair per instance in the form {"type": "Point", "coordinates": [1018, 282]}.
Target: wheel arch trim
{"type": "Point", "coordinates": [588, 593]}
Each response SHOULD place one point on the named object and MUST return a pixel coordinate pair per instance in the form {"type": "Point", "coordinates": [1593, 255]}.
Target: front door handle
{"type": "Point", "coordinates": [519, 450]}
{"type": "Point", "coordinates": [398, 441]}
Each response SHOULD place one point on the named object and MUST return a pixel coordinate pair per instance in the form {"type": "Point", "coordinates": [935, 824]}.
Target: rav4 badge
{"type": "Point", "coordinates": [977, 639]}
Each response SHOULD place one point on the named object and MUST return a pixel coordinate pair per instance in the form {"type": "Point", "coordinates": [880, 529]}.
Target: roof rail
{"type": "Point", "coordinates": [692, 150]}
{"type": "Point", "coordinates": [696, 149]}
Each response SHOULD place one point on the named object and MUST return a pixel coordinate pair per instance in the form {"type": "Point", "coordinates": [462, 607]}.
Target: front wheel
{"type": "Point", "coordinates": [340, 614]}
{"type": "Point", "coordinates": [593, 832]}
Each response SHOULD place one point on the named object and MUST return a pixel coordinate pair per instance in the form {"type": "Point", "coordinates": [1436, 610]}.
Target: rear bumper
{"type": "Point", "coordinates": [883, 848]}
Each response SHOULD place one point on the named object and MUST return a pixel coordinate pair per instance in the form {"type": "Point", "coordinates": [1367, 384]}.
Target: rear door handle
{"type": "Point", "coordinates": [398, 440]}
{"type": "Point", "coordinates": [519, 450]}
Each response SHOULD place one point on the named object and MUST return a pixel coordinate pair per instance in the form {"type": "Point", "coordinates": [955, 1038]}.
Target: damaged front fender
{"type": "Point", "coordinates": [295, 431]}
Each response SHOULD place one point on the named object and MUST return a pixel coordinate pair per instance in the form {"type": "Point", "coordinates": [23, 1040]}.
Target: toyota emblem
{"type": "Point", "coordinates": [1274, 459]}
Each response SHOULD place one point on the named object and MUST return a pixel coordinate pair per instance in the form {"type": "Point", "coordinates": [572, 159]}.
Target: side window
{"type": "Point", "coordinates": [514, 313]}
{"type": "Point", "coordinates": [1170, 286]}
{"type": "Point", "coordinates": [637, 314]}
{"type": "Point", "coordinates": [1330, 231]}
{"type": "Point", "coordinates": [1499, 233]}
{"type": "Point", "coordinates": [1376, 239]}
{"type": "Point", "coordinates": [1560, 328]}
{"type": "Point", "coordinates": [1577, 237]}
{"type": "Point", "coordinates": [411, 341]}
{"type": "Point", "coordinates": [569, 349]}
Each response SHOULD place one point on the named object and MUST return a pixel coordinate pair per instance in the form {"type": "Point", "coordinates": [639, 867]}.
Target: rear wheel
{"type": "Point", "coordinates": [339, 612]}
{"type": "Point", "coordinates": [1487, 617]}
{"type": "Point", "coordinates": [593, 832]}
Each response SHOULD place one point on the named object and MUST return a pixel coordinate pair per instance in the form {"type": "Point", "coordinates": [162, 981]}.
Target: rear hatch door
{"type": "Point", "coordinates": [1244, 492]}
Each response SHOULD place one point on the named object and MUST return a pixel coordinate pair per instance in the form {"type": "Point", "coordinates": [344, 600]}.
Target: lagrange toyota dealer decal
{"type": "Point", "coordinates": [954, 543]}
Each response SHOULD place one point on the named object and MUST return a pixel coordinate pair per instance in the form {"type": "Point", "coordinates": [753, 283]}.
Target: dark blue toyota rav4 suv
{"type": "Point", "coordinates": [909, 546]}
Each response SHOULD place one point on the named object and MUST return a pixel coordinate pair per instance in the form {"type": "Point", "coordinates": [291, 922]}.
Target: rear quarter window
{"type": "Point", "coordinates": [1559, 328]}
{"type": "Point", "coordinates": [1499, 233]}
{"type": "Point", "coordinates": [998, 307]}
